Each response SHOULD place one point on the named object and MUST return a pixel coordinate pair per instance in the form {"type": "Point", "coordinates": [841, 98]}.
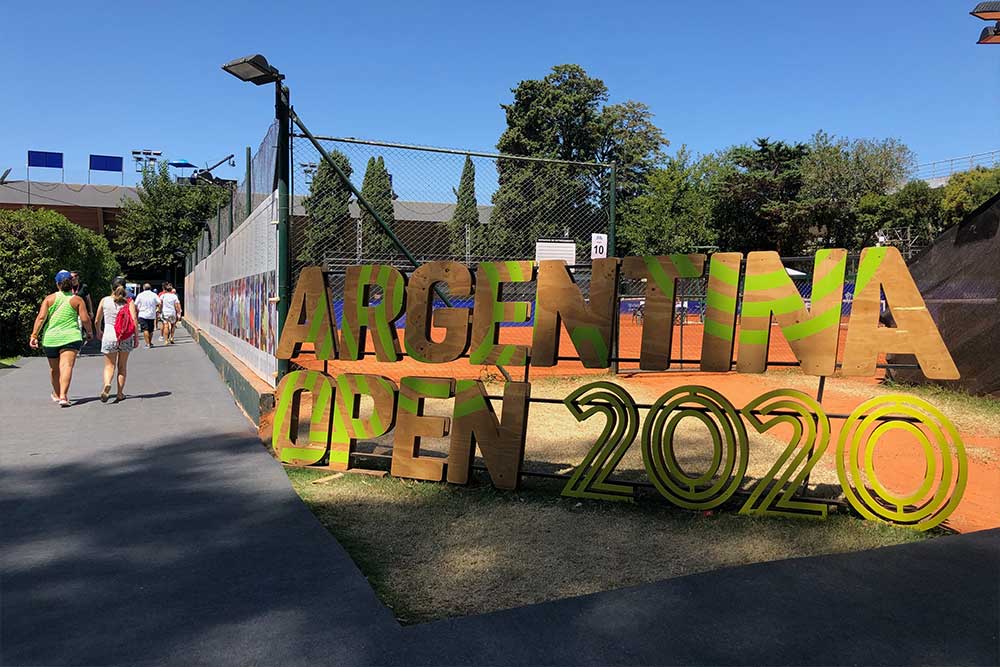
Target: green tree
{"type": "Point", "coordinates": [166, 218]}
{"type": "Point", "coordinates": [465, 220]}
{"type": "Point", "coordinates": [966, 191]}
{"type": "Point", "coordinates": [329, 231]}
{"type": "Point", "coordinates": [377, 191]}
{"type": "Point", "coordinates": [916, 206]}
{"type": "Point", "coordinates": [674, 214]}
{"type": "Point", "coordinates": [34, 245]}
{"type": "Point", "coordinates": [563, 116]}
{"type": "Point", "coordinates": [631, 140]}
{"type": "Point", "coordinates": [755, 198]}
{"type": "Point", "coordinates": [838, 174]}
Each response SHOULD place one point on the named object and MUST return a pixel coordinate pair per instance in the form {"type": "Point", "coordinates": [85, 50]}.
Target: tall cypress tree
{"type": "Point", "coordinates": [377, 191]}
{"type": "Point", "coordinates": [466, 217]}
{"type": "Point", "coordinates": [327, 232]}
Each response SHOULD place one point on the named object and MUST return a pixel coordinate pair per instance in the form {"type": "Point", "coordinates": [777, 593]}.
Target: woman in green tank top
{"type": "Point", "coordinates": [61, 314]}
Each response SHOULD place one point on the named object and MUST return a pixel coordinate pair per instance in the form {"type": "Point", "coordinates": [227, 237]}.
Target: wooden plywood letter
{"type": "Point", "coordinates": [501, 442]}
{"type": "Point", "coordinates": [661, 274]}
{"type": "Point", "coordinates": [421, 315]}
{"type": "Point", "coordinates": [348, 423]}
{"type": "Point", "coordinates": [883, 270]}
{"type": "Point", "coordinates": [360, 314]}
{"type": "Point", "coordinates": [310, 319]}
{"type": "Point", "coordinates": [489, 311]}
{"type": "Point", "coordinates": [812, 333]}
{"type": "Point", "coordinates": [285, 428]}
{"type": "Point", "coordinates": [413, 425]}
{"type": "Point", "coordinates": [559, 299]}
{"type": "Point", "coordinates": [720, 311]}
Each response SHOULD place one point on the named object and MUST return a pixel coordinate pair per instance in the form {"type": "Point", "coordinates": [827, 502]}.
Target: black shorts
{"type": "Point", "coordinates": [53, 352]}
{"type": "Point", "coordinates": [147, 325]}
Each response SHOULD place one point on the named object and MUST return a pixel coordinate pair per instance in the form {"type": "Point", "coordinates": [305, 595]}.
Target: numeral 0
{"type": "Point", "coordinates": [729, 447]}
{"type": "Point", "coordinates": [945, 472]}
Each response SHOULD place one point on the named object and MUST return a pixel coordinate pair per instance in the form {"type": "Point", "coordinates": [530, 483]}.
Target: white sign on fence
{"type": "Point", "coordinates": [598, 246]}
{"type": "Point", "coordinates": [564, 249]}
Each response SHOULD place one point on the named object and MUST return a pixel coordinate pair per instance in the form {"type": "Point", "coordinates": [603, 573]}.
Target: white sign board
{"type": "Point", "coordinates": [564, 249]}
{"type": "Point", "coordinates": [598, 246]}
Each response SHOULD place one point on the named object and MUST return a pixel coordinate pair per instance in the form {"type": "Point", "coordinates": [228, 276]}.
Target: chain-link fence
{"type": "Point", "coordinates": [257, 185]}
{"type": "Point", "coordinates": [440, 204]}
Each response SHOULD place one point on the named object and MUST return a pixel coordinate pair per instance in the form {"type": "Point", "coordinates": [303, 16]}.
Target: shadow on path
{"type": "Point", "coordinates": [161, 553]}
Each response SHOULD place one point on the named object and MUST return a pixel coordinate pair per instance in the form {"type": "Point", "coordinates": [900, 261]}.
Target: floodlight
{"type": "Point", "coordinates": [990, 35]}
{"type": "Point", "coordinates": [987, 11]}
{"type": "Point", "coordinates": [254, 69]}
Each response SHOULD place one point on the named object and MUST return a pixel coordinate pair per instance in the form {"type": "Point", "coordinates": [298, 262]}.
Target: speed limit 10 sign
{"type": "Point", "coordinates": [598, 246]}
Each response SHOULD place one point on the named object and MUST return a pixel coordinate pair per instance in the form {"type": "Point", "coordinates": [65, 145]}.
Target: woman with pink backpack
{"type": "Point", "coordinates": [121, 336]}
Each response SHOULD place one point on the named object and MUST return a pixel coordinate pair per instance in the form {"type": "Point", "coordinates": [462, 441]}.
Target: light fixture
{"type": "Point", "coordinates": [987, 11]}
{"type": "Point", "coordinates": [990, 35]}
{"type": "Point", "coordinates": [255, 69]}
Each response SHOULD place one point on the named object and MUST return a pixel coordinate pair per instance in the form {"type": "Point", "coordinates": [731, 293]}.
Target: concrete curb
{"type": "Point", "coordinates": [252, 394]}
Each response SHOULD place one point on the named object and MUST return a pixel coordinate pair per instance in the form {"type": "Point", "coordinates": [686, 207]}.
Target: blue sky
{"type": "Point", "coordinates": [144, 75]}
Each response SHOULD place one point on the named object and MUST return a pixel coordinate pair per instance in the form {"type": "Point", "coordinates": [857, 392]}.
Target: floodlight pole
{"type": "Point", "coordinates": [282, 99]}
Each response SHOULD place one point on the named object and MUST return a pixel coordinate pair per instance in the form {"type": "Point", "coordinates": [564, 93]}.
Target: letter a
{"type": "Point", "coordinates": [883, 270]}
{"type": "Point", "coordinates": [309, 318]}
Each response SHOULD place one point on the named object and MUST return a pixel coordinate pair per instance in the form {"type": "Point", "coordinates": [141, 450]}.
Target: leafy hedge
{"type": "Point", "coordinates": [34, 245]}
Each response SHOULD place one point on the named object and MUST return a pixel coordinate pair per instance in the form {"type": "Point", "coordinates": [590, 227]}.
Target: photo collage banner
{"type": "Point", "coordinates": [243, 309]}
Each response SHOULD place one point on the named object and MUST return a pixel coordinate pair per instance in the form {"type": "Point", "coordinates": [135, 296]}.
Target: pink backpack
{"type": "Point", "coordinates": [124, 324]}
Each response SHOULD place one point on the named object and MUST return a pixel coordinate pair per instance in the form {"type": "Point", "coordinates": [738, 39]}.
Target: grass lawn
{"type": "Point", "coordinates": [8, 361]}
{"type": "Point", "coordinates": [433, 550]}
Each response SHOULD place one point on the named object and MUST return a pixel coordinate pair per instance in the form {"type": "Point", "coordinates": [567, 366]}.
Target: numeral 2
{"type": "Point", "coordinates": [622, 424]}
{"type": "Point", "coordinates": [811, 431]}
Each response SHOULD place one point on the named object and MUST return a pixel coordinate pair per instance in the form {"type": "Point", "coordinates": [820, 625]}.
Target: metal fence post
{"type": "Point", "coordinates": [249, 185]}
{"type": "Point", "coordinates": [282, 114]}
{"type": "Point", "coordinates": [616, 326]}
{"type": "Point", "coordinates": [612, 202]}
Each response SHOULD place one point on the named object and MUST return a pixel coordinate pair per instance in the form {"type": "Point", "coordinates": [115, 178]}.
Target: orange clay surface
{"type": "Point", "coordinates": [899, 462]}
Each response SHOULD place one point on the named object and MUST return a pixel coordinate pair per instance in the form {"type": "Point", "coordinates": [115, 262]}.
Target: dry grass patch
{"type": "Point", "coordinates": [433, 551]}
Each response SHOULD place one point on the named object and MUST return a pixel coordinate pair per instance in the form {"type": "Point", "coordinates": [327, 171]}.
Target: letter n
{"type": "Point", "coordinates": [589, 323]}
{"type": "Point", "coordinates": [501, 442]}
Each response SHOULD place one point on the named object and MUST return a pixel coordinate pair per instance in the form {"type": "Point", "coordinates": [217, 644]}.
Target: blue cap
{"type": "Point", "coordinates": [63, 275]}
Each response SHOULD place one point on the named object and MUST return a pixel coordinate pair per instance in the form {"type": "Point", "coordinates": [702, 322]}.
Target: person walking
{"type": "Point", "coordinates": [147, 305]}
{"type": "Point", "coordinates": [115, 349]}
{"type": "Point", "coordinates": [170, 311]}
{"type": "Point", "coordinates": [61, 315]}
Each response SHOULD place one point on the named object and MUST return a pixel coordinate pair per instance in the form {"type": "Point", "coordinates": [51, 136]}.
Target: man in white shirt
{"type": "Point", "coordinates": [148, 305]}
{"type": "Point", "coordinates": [170, 311]}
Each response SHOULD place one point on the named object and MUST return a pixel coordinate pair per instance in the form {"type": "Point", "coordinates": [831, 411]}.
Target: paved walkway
{"type": "Point", "coordinates": [160, 531]}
